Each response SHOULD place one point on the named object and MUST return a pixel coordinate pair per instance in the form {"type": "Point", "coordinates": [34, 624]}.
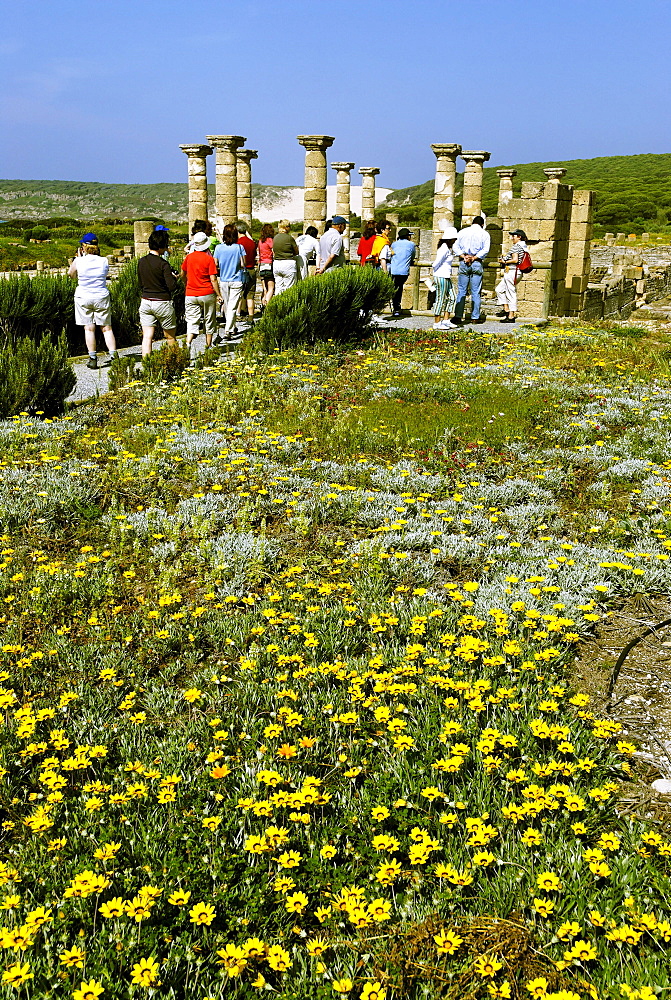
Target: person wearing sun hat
{"type": "Point", "coordinates": [403, 252]}
{"type": "Point", "coordinates": [202, 290]}
{"type": "Point", "coordinates": [442, 275]}
{"type": "Point", "coordinates": [92, 298]}
{"type": "Point", "coordinates": [506, 290]}
{"type": "Point", "coordinates": [331, 246]}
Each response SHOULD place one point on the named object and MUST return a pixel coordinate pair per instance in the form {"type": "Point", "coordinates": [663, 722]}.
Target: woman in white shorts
{"type": "Point", "coordinates": [92, 298]}
{"type": "Point", "coordinates": [157, 283]}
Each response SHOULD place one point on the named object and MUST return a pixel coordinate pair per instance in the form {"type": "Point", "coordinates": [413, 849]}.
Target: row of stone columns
{"type": "Point", "coordinates": [233, 198]}
{"type": "Point", "coordinates": [233, 188]}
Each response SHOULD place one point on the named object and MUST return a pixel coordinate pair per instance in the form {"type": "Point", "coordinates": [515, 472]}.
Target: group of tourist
{"type": "Point", "coordinates": [221, 275]}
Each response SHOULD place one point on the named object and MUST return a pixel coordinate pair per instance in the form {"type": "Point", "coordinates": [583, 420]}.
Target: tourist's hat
{"type": "Point", "coordinates": [339, 221]}
{"type": "Point", "coordinates": [201, 241]}
{"type": "Point", "coordinates": [89, 238]}
{"type": "Point", "coordinates": [518, 232]}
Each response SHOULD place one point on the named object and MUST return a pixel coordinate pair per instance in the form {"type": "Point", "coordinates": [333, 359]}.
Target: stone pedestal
{"type": "Point", "coordinates": [505, 189]}
{"type": "Point", "coordinates": [368, 192]}
{"type": "Point", "coordinates": [226, 181]}
{"type": "Point", "coordinates": [472, 197]}
{"type": "Point", "coordinates": [141, 233]}
{"type": "Point", "coordinates": [314, 195]}
{"type": "Point", "coordinates": [245, 157]}
{"type": "Point", "coordinates": [197, 167]}
{"type": "Point", "coordinates": [554, 174]}
{"type": "Point", "coordinates": [444, 185]}
{"type": "Point", "coordinates": [544, 212]}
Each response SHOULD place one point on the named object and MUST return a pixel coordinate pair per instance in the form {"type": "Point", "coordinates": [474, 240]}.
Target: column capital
{"type": "Point", "coordinates": [554, 173]}
{"type": "Point", "coordinates": [451, 149]}
{"type": "Point", "coordinates": [474, 155]}
{"type": "Point", "coordinates": [196, 149]}
{"type": "Point", "coordinates": [342, 166]}
{"type": "Point", "coordinates": [313, 142]}
{"type": "Point", "coordinates": [369, 171]}
{"type": "Point", "coordinates": [247, 154]}
{"type": "Point", "coordinates": [507, 172]}
{"type": "Point", "coordinates": [230, 142]}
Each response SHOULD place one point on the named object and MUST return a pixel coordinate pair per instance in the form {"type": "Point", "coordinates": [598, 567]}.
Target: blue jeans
{"type": "Point", "coordinates": [469, 274]}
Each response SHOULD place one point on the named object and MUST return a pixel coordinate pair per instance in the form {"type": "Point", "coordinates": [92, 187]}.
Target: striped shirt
{"type": "Point", "coordinates": [515, 253]}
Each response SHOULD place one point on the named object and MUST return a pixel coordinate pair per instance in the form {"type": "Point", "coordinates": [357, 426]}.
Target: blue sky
{"type": "Point", "coordinates": [106, 90]}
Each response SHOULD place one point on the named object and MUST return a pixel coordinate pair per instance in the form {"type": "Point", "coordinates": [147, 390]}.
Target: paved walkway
{"type": "Point", "coordinates": [94, 382]}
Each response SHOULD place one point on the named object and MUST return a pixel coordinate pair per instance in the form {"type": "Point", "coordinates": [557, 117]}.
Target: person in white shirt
{"type": "Point", "coordinates": [308, 250]}
{"type": "Point", "coordinates": [442, 275]}
{"type": "Point", "coordinates": [472, 247]}
{"type": "Point", "coordinates": [92, 298]}
{"type": "Point", "coordinates": [506, 290]}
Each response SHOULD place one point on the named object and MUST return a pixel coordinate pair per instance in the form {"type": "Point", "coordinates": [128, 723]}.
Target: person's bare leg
{"type": "Point", "coordinates": [170, 336]}
{"type": "Point", "coordinates": [90, 337]}
{"type": "Point", "coordinates": [270, 291]}
{"type": "Point", "coordinates": [147, 339]}
{"type": "Point", "coordinates": [250, 307]}
{"type": "Point", "coordinates": [110, 339]}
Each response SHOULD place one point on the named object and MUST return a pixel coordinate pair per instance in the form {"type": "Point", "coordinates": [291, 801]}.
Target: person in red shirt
{"type": "Point", "coordinates": [202, 290]}
{"type": "Point", "coordinates": [366, 241]}
{"type": "Point", "coordinates": [249, 290]}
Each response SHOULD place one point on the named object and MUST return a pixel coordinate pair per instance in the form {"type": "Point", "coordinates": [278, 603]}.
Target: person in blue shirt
{"type": "Point", "coordinates": [472, 247]}
{"type": "Point", "coordinates": [403, 252]}
{"type": "Point", "coordinates": [230, 258]}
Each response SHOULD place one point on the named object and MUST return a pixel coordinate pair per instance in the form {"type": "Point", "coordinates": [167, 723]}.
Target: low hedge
{"type": "Point", "coordinates": [335, 306]}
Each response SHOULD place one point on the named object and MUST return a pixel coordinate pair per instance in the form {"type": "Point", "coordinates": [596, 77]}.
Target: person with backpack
{"type": "Point", "coordinates": [515, 263]}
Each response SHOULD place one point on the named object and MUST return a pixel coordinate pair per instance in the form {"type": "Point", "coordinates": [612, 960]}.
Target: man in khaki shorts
{"type": "Point", "coordinates": [157, 281]}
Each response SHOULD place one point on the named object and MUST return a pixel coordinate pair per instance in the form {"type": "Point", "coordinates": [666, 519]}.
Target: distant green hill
{"type": "Point", "coordinates": [90, 200]}
{"type": "Point", "coordinates": [634, 192]}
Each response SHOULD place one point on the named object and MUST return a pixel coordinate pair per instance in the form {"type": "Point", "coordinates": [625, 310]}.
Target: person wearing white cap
{"type": "Point", "coordinates": [442, 274]}
{"type": "Point", "coordinates": [506, 290]}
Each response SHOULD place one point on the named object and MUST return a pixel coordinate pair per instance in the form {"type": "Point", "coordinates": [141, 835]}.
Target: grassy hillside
{"type": "Point", "coordinates": [634, 191]}
{"type": "Point", "coordinates": [37, 200]}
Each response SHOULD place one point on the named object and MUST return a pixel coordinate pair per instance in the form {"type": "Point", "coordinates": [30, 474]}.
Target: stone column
{"type": "Point", "coordinates": [472, 198]}
{"type": "Point", "coordinates": [197, 180]}
{"type": "Point", "coordinates": [343, 189]}
{"type": "Point", "coordinates": [578, 264]}
{"type": "Point", "coordinates": [505, 190]}
{"type": "Point", "coordinates": [368, 192]}
{"type": "Point", "coordinates": [314, 194]}
{"type": "Point", "coordinates": [444, 185]}
{"type": "Point", "coordinates": [245, 157]}
{"type": "Point", "coordinates": [226, 192]}
{"type": "Point", "coordinates": [141, 232]}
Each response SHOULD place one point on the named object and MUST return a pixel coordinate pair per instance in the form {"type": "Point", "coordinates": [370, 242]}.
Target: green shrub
{"type": "Point", "coordinates": [38, 307]}
{"type": "Point", "coordinates": [35, 376]}
{"type": "Point", "coordinates": [165, 364]}
{"type": "Point", "coordinates": [336, 306]}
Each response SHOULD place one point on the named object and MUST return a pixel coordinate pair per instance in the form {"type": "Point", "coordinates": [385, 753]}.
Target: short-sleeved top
{"type": "Point", "coordinates": [266, 251]}
{"type": "Point", "coordinates": [156, 278]}
{"type": "Point", "coordinates": [199, 265]}
{"type": "Point", "coordinates": [231, 261]}
{"type": "Point", "coordinates": [284, 247]}
{"type": "Point", "coordinates": [332, 243]}
{"type": "Point", "coordinates": [403, 254]}
{"type": "Point", "coordinates": [250, 250]}
{"type": "Point", "coordinates": [307, 246]}
{"type": "Point", "coordinates": [92, 273]}
{"type": "Point", "coordinates": [365, 247]}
